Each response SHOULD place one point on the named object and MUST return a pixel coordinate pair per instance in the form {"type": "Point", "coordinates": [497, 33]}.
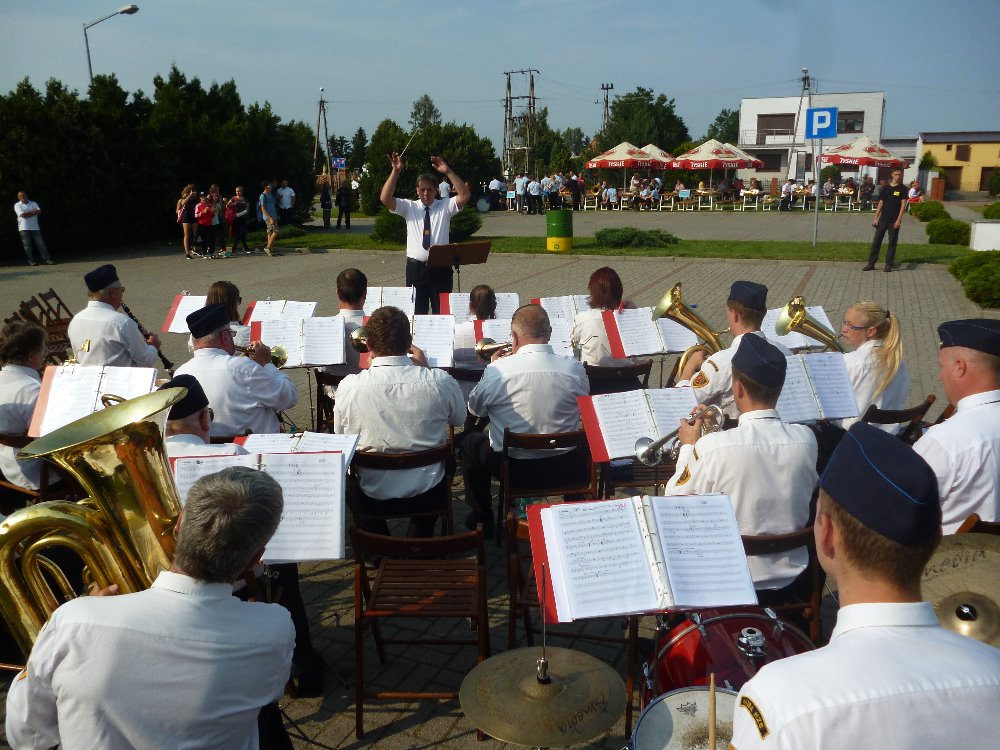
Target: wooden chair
{"type": "Point", "coordinates": [387, 509]}
{"type": "Point", "coordinates": [913, 417]}
{"type": "Point", "coordinates": [12, 318]}
{"type": "Point", "coordinates": [808, 607]}
{"type": "Point", "coordinates": [585, 485]}
{"type": "Point", "coordinates": [975, 525]}
{"type": "Point", "coordinates": [428, 579]}
{"type": "Point", "coordinates": [56, 307]}
{"type": "Point", "coordinates": [522, 589]}
{"type": "Point", "coordinates": [325, 403]}
{"type": "Point", "coordinates": [620, 378]}
{"type": "Point", "coordinates": [14, 496]}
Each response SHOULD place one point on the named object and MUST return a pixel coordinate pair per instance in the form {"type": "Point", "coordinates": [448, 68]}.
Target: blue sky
{"type": "Point", "coordinates": [935, 60]}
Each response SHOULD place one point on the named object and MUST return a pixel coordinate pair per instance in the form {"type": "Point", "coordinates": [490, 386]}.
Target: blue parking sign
{"type": "Point", "coordinates": [821, 123]}
{"type": "Point", "coordinates": [339, 162]}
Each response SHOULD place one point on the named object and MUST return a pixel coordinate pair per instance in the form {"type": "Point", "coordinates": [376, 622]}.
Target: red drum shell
{"type": "Point", "coordinates": [688, 654]}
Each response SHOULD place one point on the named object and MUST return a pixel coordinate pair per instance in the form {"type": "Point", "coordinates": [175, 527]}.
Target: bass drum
{"type": "Point", "coordinates": [679, 721]}
{"type": "Point", "coordinates": [734, 644]}
{"type": "Point", "coordinates": [483, 205]}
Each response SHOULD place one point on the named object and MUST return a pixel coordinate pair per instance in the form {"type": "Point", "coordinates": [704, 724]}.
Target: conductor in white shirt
{"type": "Point", "coordinates": [100, 335]}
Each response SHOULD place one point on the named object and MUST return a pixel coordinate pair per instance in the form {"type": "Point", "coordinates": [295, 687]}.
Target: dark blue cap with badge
{"type": "Point", "coordinates": [980, 334]}
{"type": "Point", "coordinates": [749, 293]}
{"type": "Point", "coordinates": [207, 320]}
{"type": "Point", "coordinates": [101, 277]}
{"type": "Point", "coordinates": [193, 402]}
{"type": "Point", "coordinates": [761, 361]}
{"type": "Point", "coordinates": [884, 484]}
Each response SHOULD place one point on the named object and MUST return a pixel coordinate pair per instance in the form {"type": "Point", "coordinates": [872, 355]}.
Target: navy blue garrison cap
{"type": "Point", "coordinates": [884, 484]}
{"type": "Point", "coordinates": [750, 293]}
{"type": "Point", "coordinates": [207, 320]}
{"type": "Point", "coordinates": [192, 403]}
{"type": "Point", "coordinates": [101, 277]}
{"type": "Point", "coordinates": [761, 361]}
{"type": "Point", "coordinates": [980, 334]}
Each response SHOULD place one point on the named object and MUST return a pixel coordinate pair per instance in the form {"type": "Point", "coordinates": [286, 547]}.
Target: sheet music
{"type": "Point", "coordinates": [435, 334]}
{"type": "Point", "coordinates": [638, 332]}
{"type": "Point", "coordinates": [72, 396]}
{"type": "Point", "coordinates": [560, 307]}
{"type": "Point", "coordinates": [797, 402]}
{"type": "Point", "coordinates": [373, 301]}
{"type": "Point", "coordinates": [701, 548]}
{"type": "Point", "coordinates": [268, 309]}
{"type": "Point", "coordinates": [312, 522]}
{"type": "Point", "coordinates": [561, 339]}
{"type": "Point", "coordinates": [323, 341]}
{"type": "Point", "coordinates": [189, 469]}
{"type": "Point", "coordinates": [399, 296]}
{"type": "Point", "coordinates": [464, 347]}
{"type": "Point", "coordinates": [498, 329]}
{"type": "Point", "coordinates": [294, 309]}
{"type": "Point", "coordinates": [127, 382]}
{"type": "Point", "coordinates": [270, 442]}
{"type": "Point", "coordinates": [624, 418]}
{"type": "Point", "coordinates": [670, 406]}
{"type": "Point", "coordinates": [832, 383]}
{"type": "Point", "coordinates": [187, 305]}
{"type": "Point", "coordinates": [507, 304]}
{"type": "Point", "coordinates": [311, 442]}
{"type": "Point", "coordinates": [675, 337]}
{"type": "Point", "coordinates": [284, 332]}
{"type": "Point", "coordinates": [598, 560]}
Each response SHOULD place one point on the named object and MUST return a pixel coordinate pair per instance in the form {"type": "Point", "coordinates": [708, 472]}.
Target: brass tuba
{"type": "Point", "coordinates": [123, 530]}
{"type": "Point", "coordinates": [795, 317]}
{"type": "Point", "coordinates": [672, 306]}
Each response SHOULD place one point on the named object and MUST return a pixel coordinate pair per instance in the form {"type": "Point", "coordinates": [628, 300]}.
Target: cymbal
{"type": "Point", "coordinates": [503, 697]}
{"type": "Point", "coordinates": [962, 581]}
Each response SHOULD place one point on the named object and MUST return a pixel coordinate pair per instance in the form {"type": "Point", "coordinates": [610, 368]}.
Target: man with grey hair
{"type": "Point", "coordinates": [100, 335]}
{"type": "Point", "coordinates": [532, 390]}
{"type": "Point", "coordinates": [189, 422]}
{"type": "Point", "coordinates": [207, 661]}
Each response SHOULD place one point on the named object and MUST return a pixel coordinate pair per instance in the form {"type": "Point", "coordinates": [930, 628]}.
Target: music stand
{"type": "Point", "coordinates": [458, 254]}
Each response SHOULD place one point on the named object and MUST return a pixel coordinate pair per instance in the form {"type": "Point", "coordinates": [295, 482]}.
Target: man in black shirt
{"type": "Point", "coordinates": [888, 217]}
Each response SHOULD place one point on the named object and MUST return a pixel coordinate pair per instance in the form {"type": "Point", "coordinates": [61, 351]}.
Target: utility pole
{"type": "Point", "coordinates": [321, 117]}
{"type": "Point", "coordinates": [805, 93]}
{"type": "Point", "coordinates": [606, 116]}
{"type": "Point", "coordinates": [518, 130]}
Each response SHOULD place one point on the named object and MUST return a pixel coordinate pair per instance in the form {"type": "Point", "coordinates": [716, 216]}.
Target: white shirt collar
{"type": "Point", "coordinates": [394, 361]}
{"type": "Point", "coordinates": [977, 399]}
{"type": "Point", "coordinates": [185, 584]}
{"type": "Point", "coordinates": [884, 614]}
{"type": "Point", "coordinates": [758, 414]}
{"type": "Point", "coordinates": [185, 439]}
{"type": "Point", "coordinates": [98, 303]}
{"type": "Point", "coordinates": [534, 348]}
{"type": "Point", "coordinates": [211, 352]}
{"type": "Point", "coordinates": [22, 370]}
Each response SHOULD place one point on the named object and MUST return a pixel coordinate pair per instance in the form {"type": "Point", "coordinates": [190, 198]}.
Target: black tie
{"type": "Point", "coordinates": [427, 227]}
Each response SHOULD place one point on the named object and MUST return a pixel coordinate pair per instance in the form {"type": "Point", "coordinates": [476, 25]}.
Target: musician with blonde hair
{"type": "Point", "coordinates": [876, 369]}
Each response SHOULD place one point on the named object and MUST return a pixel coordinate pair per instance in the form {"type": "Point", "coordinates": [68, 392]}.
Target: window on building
{"type": "Point", "coordinates": [774, 125]}
{"type": "Point", "coordinates": [962, 152]}
{"type": "Point", "coordinates": [772, 161]}
{"type": "Point", "coordinates": [850, 122]}
{"type": "Point", "coordinates": [948, 147]}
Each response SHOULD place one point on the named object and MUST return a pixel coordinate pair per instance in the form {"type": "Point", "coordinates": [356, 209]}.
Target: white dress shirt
{"type": "Point", "coordinates": [964, 452]}
{"type": "Point", "coordinates": [533, 390]}
{"type": "Point", "coordinates": [890, 677]}
{"type": "Point", "coordinates": [591, 336]}
{"type": "Point", "coordinates": [26, 223]}
{"type": "Point", "coordinates": [397, 406]}
{"type": "Point", "coordinates": [241, 335]}
{"type": "Point", "coordinates": [19, 386]}
{"type": "Point", "coordinates": [862, 368]}
{"type": "Point", "coordinates": [114, 338]}
{"type": "Point", "coordinates": [413, 212]}
{"type": "Point", "coordinates": [243, 394]}
{"type": "Point", "coordinates": [445, 189]}
{"type": "Point", "coordinates": [192, 445]}
{"type": "Point", "coordinates": [182, 665]}
{"type": "Point", "coordinates": [768, 469]}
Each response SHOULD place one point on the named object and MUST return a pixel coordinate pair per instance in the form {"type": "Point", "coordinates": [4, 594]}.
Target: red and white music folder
{"type": "Point", "coordinates": [182, 306]}
{"type": "Point", "coordinates": [309, 342]}
{"type": "Point", "coordinates": [615, 421]}
{"type": "Point", "coordinates": [637, 555]}
{"type": "Point", "coordinates": [277, 309]}
{"type": "Point", "coordinates": [457, 304]}
{"type": "Point", "coordinates": [634, 332]}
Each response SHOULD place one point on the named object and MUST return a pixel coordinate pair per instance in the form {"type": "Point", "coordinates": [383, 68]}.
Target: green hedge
{"type": "Point", "coordinates": [632, 237]}
{"type": "Point", "coordinates": [980, 277]}
{"type": "Point", "coordinates": [948, 232]}
{"type": "Point", "coordinates": [392, 228]}
{"type": "Point", "coordinates": [929, 210]}
{"type": "Point", "coordinates": [992, 211]}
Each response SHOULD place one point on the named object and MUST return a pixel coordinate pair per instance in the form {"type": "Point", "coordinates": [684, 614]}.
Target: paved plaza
{"type": "Point", "coordinates": [921, 296]}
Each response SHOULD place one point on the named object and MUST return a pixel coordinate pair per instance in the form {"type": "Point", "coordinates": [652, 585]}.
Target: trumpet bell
{"type": "Point", "coordinates": [794, 317]}
{"type": "Point", "coordinates": [486, 348]}
{"type": "Point", "coordinates": [359, 339]}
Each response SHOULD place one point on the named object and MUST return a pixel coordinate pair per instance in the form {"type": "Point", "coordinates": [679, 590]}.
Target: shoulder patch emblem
{"type": "Point", "coordinates": [684, 477]}
{"type": "Point", "coordinates": [710, 362]}
{"type": "Point", "coordinates": [756, 715]}
{"type": "Point", "coordinates": [700, 380]}
{"type": "Point", "coordinates": [22, 674]}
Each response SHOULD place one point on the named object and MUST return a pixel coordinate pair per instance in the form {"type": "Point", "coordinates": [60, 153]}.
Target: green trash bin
{"type": "Point", "coordinates": [559, 231]}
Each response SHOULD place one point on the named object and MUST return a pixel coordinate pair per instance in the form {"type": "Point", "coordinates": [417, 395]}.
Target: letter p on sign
{"type": "Point", "coordinates": [821, 123]}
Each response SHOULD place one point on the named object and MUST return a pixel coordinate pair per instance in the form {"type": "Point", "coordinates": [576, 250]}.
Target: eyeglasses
{"type": "Point", "coordinates": [845, 324]}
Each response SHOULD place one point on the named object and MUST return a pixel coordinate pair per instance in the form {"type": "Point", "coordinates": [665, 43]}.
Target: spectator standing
{"type": "Point", "coordinates": [888, 217]}
{"type": "Point", "coordinates": [786, 195]}
{"type": "Point", "coordinates": [326, 203]}
{"type": "Point", "coordinates": [344, 199]}
{"type": "Point", "coordinates": [574, 190]}
{"type": "Point", "coordinates": [520, 190]}
{"type": "Point", "coordinates": [267, 212]}
{"type": "Point", "coordinates": [534, 197]}
{"type": "Point", "coordinates": [186, 205]}
{"type": "Point", "coordinates": [444, 189]}
{"type": "Point", "coordinates": [240, 208]}
{"type": "Point", "coordinates": [27, 225]}
{"type": "Point", "coordinates": [286, 202]}
{"type": "Point", "coordinates": [218, 224]}
{"type": "Point", "coordinates": [204, 212]}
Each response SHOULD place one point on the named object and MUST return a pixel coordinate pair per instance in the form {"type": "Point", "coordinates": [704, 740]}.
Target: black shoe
{"type": "Point", "coordinates": [472, 521]}
{"type": "Point", "coordinates": [888, 268]}
{"type": "Point", "coordinates": [50, 262]}
{"type": "Point", "coordinates": [869, 267]}
{"type": "Point", "coordinates": [32, 263]}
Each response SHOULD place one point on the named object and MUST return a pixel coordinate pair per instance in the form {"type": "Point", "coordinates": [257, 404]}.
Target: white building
{"type": "Point", "coordinates": [773, 129]}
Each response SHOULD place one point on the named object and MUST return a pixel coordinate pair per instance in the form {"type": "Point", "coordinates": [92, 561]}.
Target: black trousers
{"type": "Point", "coordinates": [880, 231]}
{"type": "Point", "coordinates": [345, 214]}
{"type": "Point", "coordinates": [428, 283]}
{"type": "Point", "coordinates": [420, 526]}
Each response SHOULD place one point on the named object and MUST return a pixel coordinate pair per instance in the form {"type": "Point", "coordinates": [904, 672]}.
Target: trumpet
{"type": "Point", "coordinates": [279, 356]}
{"type": "Point", "coordinates": [652, 453]}
{"type": "Point", "coordinates": [359, 340]}
{"type": "Point", "coordinates": [486, 348]}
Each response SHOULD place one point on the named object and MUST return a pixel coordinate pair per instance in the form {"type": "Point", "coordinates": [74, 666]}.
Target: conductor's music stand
{"type": "Point", "coordinates": [458, 254]}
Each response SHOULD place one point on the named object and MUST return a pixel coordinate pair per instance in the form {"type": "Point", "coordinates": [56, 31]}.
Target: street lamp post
{"type": "Point", "coordinates": [128, 10]}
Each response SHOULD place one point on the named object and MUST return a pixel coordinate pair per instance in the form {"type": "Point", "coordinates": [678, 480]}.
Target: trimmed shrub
{"type": "Point", "coordinates": [982, 284]}
{"type": "Point", "coordinates": [992, 211]}
{"type": "Point", "coordinates": [389, 228]}
{"type": "Point", "coordinates": [632, 237]}
{"type": "Point", "coordinates": [964, 266]}
{"type": "Point", "coordinates": [464, 224]}
{"type": "Point", "coordinates": [929, 210]}
{"type": "Point", "coordinates": [948, 232]}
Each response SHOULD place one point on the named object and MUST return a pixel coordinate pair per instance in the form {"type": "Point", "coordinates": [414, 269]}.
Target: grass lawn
{"type": "Point", "coordinates": [850, 251]}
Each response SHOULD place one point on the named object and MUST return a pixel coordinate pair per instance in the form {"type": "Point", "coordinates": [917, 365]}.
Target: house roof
{"type": "Point", "coordinates": [962, 136]}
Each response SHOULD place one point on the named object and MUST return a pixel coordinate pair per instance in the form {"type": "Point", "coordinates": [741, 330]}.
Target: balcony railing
{"type": "Point", "coordinates": [768, 137]}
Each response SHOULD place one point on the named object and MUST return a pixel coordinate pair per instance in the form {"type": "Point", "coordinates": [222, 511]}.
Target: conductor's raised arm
{"type": "Point", "coordinates": [387, 198]}
{"type": "Point", "coordinates": [462, 193]}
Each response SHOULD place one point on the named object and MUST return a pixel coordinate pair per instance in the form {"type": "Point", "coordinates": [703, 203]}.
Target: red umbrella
{"type": "Point", "coordinates": [624, 156]}
{"type": "Point", "coordinates": [863, 152]}
{"type": "Point", "coordinates": [712, 155]}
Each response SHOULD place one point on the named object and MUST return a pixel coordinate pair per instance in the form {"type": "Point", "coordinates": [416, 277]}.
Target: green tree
{"type": "Point", "coordinates": [641, 118]}
{"type": "Point", "coordinates": [574, 139]}
{"type": "Point", "coordinates": [424, 113]}
{"type": "Point", "coordinates": [359, 146]}
{"type": "Point", "coordinates": [725, 127]}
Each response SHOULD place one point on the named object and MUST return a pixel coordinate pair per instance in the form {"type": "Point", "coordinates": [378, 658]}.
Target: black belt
{"type": "Point", "coordinates": [417, 262]}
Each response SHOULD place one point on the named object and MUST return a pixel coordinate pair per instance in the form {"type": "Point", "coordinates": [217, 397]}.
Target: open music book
{"type": "Point", "coordinates": [561, 340]}
{"type": "Point", "coordinates": [639, 554]}
{"type": "Point", "coordinates": [465, 341]}
{"type": "Point", "coordinates": [566, 306]}
{"type": "Point", "coordinates": [312, 521]}
{"type": "Point", "coordinates": [634, 332]}
{"type": "Point", "coordinates": [817, 386]}
{"type": "Point", "coordinates": [308, 341]}
{"type": "Point", "coordinates": [71, 392]}
{"type": "Point", "coordinates": [794, 340]}
{"type": "Point", "coordinates": [435, 334]}
{"type": "Point", "coordinates": [614, 421]}
{"type": "Point", "coordinates": [397, 296]}
{"type": "Point", "coordinates": [182, 306]}
{"type": "Point", "coordinates": [457, 304]}
{"type": "Point", "coordinates": [276, 309]}
{"type": "Point", "coordinates": [300, 442]}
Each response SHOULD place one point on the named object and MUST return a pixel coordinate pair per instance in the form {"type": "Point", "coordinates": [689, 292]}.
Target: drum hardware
{"type": "Point", "coordinates": [779, 626]}
{"type": "Point", "coordinates": [279, 355]}
{"type": "Point", "coordinates": [961, 581]}
{"type": "Point", "coordinates": [683, 720]}
{"type": "Point", "coordinates": [167, 364]}
{"type": "Point", "coordinates": [751, 642]}
{"type": "Point", "coordinates": [795, 317]}
{"type": "Point", "coordinates": [653, 453]}
{"type": "Point", "coordinates": [486, 348]}
{"type": "Point", "coordinates": [671, 305]}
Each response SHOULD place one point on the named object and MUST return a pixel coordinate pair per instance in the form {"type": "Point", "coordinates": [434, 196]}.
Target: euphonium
{"type": "Point", "coordinates": [486, 348]}
{"type": "Point", "coordinates": [795, 317]}
{"type": "Point", "coordinates": [123, 530]}
{"type": "Point", "coordinates": [359, 339]}
{"type": "Point", "coordinates": [279, 356]}
{"type": "Point", "coordinates": [672, 306]}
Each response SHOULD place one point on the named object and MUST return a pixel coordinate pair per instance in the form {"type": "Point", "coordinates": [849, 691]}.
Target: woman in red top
{"type": "Point", "coordinates": [205, 213]}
